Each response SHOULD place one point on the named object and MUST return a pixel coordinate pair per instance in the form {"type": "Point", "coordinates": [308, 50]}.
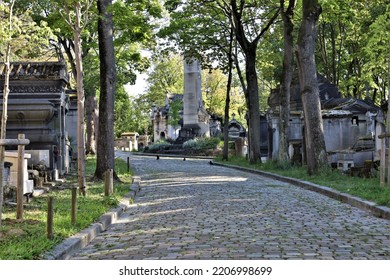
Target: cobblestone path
{"type": "Point", "coordinates": [193, 210]}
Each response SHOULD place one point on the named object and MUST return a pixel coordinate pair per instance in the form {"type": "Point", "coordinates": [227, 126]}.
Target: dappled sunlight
{"type": "Point", "coordinates": [216, 179]}
{"type": "Point", "coordinates": [182, 180]}
{"type": "Point", "coordinates": [166, 200]}
{"type": "Point", "coordinates": [167, 212]}
{"type": "Point", "coordinates": [151, 214]}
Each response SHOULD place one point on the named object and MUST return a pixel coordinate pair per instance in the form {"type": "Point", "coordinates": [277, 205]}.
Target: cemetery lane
{"type": "Point", "coordinates": [193, 210]}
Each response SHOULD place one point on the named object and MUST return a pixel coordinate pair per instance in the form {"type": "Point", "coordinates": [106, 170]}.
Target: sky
{"type": "Point", "coordinates": [139, 87]}
{"type": "Point", "coordinates": [140, 84]}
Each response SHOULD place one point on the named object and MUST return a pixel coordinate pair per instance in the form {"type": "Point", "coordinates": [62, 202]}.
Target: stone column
{"type": "Point", "coordinates": [192, 92]}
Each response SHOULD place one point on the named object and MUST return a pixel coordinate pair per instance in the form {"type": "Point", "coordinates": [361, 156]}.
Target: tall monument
{"type": "Point", "coordinates": [195, 117]}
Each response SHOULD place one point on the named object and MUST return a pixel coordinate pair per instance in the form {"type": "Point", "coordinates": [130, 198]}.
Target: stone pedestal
{"type": "Point", "coordinates": [12, 157]}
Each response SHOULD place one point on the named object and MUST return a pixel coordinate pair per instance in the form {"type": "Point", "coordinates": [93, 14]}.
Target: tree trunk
{"type": "Point", "coordinates": [225, 151]}
{"type": "Point", "coordinates": [80, 103]}
{"type": "Point", "coordinates": [68, 46]}
{"type": "Point", "coordinates": [252, 100]}
{"type": "Point", "coordinates": [4, 115]}
{"type": "Point", "coordinates": [285, 88]}
{"type": "Point", "coordinates": [105, 143]}
{"type": "Point", "coordinates": [315, 143]}
{"type": "Point", "coordinates": [249, 49]}
{"type": "Point", "coordinates": [388, 124]}
{"type": "Point", "coordinates": [91, 125]}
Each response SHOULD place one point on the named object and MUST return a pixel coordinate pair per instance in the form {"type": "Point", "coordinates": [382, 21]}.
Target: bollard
{"type": "Point", "coordinates": [50, 217]}
{"type": "Point", "coordinates": [108, 182]}
{"type": "Point", "coordinates": [128, 164]}
{"type": "Point", "coordinates": [74, 205]}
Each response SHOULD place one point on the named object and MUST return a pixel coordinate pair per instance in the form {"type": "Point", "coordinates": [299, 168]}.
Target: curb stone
{"type": "Point", "coordinates": [173, 156]}
{"type": "Point", "coordinates": [372, 207]}
{"type": "Point", "coordinates": [69, 246]}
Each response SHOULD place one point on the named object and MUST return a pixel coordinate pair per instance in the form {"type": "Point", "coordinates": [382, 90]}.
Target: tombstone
{"type": "Point", "coordinates": [12, 159]}
{"type": "Point", "coordinates": [239, 145]}
{"type": "Point", "coordinates": [235, 129]}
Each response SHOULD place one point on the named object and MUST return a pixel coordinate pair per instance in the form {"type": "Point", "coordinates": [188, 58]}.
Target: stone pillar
{"type": "Point", "coordinates": [63, 153]}
{"type": "Point", "coordinates": [192, 92]}
{"type": "Point", "coordinates": [239, 146]}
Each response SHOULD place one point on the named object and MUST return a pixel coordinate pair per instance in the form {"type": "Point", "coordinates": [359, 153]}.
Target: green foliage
{"type": "Point", "coordinates": [28, 39]}
{"type": "Point", "coordinates": [165, 77]}
{"type": "Point", "coordinates": [122, 118]}
{"type": "Point", "coordinates": [174, 113]}
{"type": "Point", "coordinates": [204, 143]}
{"type": "Point", "coordinates": [27, 240]}
{"type": "Point", "coordinates": [353, 46]}
{"type": "Point", "coordinates": [214, 94]}
{"type": "Point", "coordinates": [159, 146]}
{"type": "Point", "coordinates": [190, 144]}
{"type": "Point", "coordinates": [132, 114]}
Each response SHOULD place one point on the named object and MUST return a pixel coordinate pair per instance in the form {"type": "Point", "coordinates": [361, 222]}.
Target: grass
{"type": "Point", "coordinates": [365, 188]}
{"type": "Point", "coordinates": [27, 239]}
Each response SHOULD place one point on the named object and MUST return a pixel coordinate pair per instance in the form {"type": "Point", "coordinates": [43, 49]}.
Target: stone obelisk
{"type": "Point", "coordinates": [192, 98]}
{"type": "Point", "coordinates": [195, 117]}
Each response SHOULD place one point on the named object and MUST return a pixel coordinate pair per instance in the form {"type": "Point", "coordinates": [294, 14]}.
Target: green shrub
{"type": "Point", "coordinates": [204, 143]}
{"type": "Point", "coordinates": [159, 146]}
{"type": "Point", "coordinates": [190, 144]}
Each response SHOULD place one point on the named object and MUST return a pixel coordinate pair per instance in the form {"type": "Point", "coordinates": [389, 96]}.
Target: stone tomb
{"type": "Point", "coordinates": [12, 157]}
{"type": "Point", "coordinates": [37, 107]}
{"type": "Point", "coordinates": [127, 142]}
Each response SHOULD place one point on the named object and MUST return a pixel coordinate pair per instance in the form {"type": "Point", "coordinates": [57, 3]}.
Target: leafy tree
{"type": "Point", "coordinates": [347, 51]}
{"type": "Point", "coordinates": [123, 113]}
{"type": "Point", "coordinates": [141, 114]}
{"type": "Point", "coordinates": [166, 77]}
{"type": "Point", "coordinates": [248, 32]}
{"type": "Point", "coordinates": [134, 29]}
{"type": "Point", "coordinates": [76, 15]}
{"type": "Point", "coordinates": [30, 40]}
{"type": "Point", "coordinates": [214, 83]}
{"type": "Point", "coordinates": [174, 113]}
{"type": "Point", "coordinates": [377, 50]}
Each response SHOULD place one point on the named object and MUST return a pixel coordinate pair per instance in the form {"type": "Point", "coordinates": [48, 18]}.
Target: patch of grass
{"type": "Point", "coordinates": [365, 188]}
{"type": "Point", "coordinates": [26, 240]}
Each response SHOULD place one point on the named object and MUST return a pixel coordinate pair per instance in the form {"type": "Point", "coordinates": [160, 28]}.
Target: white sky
{"type": "Point", "coordinates": [139, 87]}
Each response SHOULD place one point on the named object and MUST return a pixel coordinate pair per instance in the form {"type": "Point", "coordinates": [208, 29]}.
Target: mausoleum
{"type": "Point", "coordinates": [37, 107]}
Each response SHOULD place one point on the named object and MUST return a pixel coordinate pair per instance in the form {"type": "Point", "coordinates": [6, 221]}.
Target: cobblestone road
{"type": "Point", "coordinates": [193, 210]}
